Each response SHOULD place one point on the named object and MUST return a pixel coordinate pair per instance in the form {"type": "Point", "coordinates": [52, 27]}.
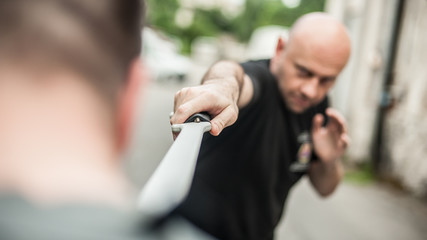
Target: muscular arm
{"type": "Point", "coordinates": [225, 88]}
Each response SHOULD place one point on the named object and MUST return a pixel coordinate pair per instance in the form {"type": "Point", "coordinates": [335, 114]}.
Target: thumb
{"type": "Point", "coordinates": [317, 122]}
{"type": "Point", "coordinates": [226, 118]}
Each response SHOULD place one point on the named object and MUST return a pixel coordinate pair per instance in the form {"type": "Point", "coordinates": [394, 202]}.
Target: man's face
{"type": "Point", "coordinates": [305, 74]}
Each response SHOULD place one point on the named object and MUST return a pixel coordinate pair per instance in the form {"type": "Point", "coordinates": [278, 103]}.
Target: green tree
{"type": "Point", "coordinates": [270, 12]}
{"type": "Point", "coordinates": [161, 14]}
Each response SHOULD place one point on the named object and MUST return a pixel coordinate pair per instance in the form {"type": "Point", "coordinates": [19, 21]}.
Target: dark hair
{"type": "Point", "coordinates": [98, 38]}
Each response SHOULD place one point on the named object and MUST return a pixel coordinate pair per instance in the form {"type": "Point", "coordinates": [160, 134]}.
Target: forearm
{"type": "Point", "coordinates": [227, 74]}
{"type": "Point", "coordinates": [325, 176]}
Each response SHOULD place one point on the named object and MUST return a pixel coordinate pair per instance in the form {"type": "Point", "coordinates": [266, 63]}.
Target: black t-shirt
{"type": "Point", "coordinates": [243, 176]}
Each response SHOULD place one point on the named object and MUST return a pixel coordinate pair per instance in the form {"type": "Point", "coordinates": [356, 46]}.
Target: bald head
{"type": "Point", "coordinates": [307, 66]}
{"type": "Point", "coordinates": [323, 35]}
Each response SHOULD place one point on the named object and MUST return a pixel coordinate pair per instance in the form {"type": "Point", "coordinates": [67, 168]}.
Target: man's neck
{"type": "Point", "coordinates": [57, 144]}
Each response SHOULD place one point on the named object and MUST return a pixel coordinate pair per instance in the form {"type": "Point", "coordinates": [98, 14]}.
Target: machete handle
{"type": "Point", "coordinates": [199, 117]}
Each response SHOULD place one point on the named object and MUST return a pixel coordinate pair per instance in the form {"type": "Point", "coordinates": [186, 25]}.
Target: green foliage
{"type": "Point", "coordinates": [257, 13]}
{"type": "Point", "coordinates": [361, 175]}
{"type": "Point", "coordinates": [161, 13]}
{"type": "Point", "coordinates": [271, 12]}
{"type": "Point", "coordinates": [206, 23]}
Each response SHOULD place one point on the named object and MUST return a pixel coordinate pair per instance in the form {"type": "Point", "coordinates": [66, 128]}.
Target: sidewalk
{"type": "Point", "coordinates": [357, 212]}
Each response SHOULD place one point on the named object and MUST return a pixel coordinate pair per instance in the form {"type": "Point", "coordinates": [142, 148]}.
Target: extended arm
{"type": "Point", "coordinates": [225, 88]}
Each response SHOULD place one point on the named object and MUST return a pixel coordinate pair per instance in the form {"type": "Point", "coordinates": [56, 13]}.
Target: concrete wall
{"type": "Point", "coordinates": [405, 132]}
{"type": "Point", "coordinates": [358, 93]}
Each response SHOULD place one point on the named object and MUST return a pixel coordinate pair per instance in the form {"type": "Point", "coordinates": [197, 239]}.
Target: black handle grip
{"type": "Point", "coordinates": [199, 117]}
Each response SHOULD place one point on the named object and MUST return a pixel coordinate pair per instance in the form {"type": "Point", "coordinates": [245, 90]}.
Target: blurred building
{"type": "Point", "coordinates": [263, 41]}
{"type": "Point", "coordinates": [162, 57]}
{"type": "Point", "coordinates": [383, 90]}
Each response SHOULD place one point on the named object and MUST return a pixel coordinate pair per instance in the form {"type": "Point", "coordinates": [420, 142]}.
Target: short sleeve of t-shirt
{"type": "Point", "coordinates": [257, 72]}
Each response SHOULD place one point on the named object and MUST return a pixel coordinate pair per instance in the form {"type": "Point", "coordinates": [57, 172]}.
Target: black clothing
{"type": "Point", "coordinates": [243, 176]}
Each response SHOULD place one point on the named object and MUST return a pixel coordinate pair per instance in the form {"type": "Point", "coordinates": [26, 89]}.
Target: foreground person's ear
{"type": "Point", "coordinates": [128, 100]}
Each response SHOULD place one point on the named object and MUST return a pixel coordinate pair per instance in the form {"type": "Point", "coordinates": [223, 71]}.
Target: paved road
{"type": "Point", "coordinates": [353, 212]}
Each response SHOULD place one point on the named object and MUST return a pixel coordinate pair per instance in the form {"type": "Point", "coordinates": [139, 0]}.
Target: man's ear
{"type": "Point", "coordinates": [280, 47]}
{"type": "Point", "coordinates": [276, 59]}
{"type": "Point", "coordinates": [128, 102]}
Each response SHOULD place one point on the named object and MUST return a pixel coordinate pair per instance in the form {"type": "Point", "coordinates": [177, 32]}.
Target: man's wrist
{"type": "Point", "coordinates": [327, 165]}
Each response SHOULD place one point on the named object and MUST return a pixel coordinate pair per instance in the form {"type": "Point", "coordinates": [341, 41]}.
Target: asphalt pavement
{"type": "Point", "coordinates": [369, 212]}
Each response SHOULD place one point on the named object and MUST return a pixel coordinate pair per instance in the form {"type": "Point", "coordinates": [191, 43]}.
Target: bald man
{"type": "Point", "coordinates": [279, 127]}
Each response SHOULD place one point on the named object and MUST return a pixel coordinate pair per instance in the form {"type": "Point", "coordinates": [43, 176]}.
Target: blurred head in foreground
{"type": "Point", "coordinates": [69, 76]}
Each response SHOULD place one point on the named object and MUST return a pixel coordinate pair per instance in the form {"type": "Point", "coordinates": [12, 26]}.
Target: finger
{"type": "Point", "coordinates": [226, 118]}
{"type": "Point", "coordinates": [317, 122]}
{"type": "Point", "coordinates": [181, 114]}
{"type": "Point", "coordinates": [184, 95]}
{"type": "Point", "coordinates": [205, 104]}
{"type": "Point", "coordinates": [334, 115]}
{"type": "Point", "coordinates": [181, 97]}
{"type": "Point", "coordinates": [345, 139]}
{"type": "Point", "coordinates": [178, 98]}
{"type": "Point", "coordinates": [193, 106]}
{"type": "Point", "coordinates": [337, 120]}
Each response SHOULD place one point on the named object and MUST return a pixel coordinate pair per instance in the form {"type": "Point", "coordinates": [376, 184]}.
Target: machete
{"type": "Point", "coordinates": [171, 181]}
